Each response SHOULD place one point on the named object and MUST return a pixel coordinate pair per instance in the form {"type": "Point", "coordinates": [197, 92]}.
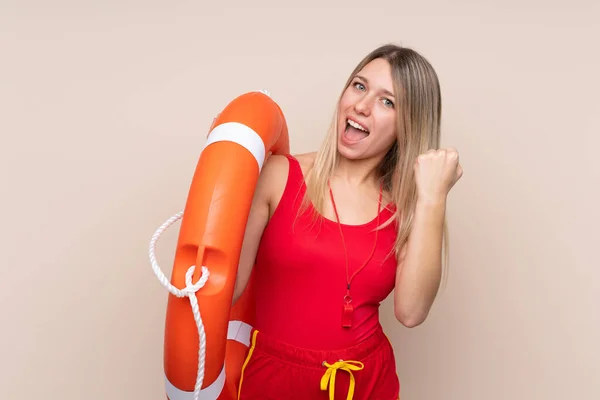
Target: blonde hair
{"type": "Point", "coordinates": [419, 108]}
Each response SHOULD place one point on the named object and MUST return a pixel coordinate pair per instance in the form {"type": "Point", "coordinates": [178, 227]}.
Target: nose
{"type": "Point", "coordinates": [363, 106]}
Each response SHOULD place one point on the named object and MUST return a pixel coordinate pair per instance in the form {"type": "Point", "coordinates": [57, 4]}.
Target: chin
{"type": "Point", "coordinates": [353, 151]}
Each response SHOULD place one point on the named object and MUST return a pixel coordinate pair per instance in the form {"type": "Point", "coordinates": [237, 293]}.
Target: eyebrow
{"type": "Point", "coordinates": [362, 78]}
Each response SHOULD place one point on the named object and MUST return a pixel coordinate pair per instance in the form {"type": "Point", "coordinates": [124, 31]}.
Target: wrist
{"type": "Point", "coordinates": [429, 202]}
{"type": "Point", "coordinates": [431, 211]}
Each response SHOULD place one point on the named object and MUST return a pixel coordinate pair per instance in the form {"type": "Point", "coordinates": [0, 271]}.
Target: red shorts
{"type": "Point", "coordinates": [275, 371]}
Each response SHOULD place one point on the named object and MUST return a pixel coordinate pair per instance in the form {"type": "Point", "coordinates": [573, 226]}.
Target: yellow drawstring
{"type": "Point", "coordinates": [329, 376]}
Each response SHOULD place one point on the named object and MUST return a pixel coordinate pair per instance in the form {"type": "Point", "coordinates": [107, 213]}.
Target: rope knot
{"type": "Point", "coordinates": [190, 287]}
{"type": "Point", "coordinates": [328, 378]}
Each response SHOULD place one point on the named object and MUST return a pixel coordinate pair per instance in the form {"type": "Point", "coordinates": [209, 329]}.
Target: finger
{"type": "Point", "coordinates": [212, 125]}
{"type": "Point", "coordinates": [452, 152]}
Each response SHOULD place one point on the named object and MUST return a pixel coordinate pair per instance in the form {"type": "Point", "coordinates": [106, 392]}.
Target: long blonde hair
{"type": "Point", "coordinates": [419, 108]}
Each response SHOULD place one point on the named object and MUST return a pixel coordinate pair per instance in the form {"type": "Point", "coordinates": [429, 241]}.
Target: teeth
{"type": "Point", "coordinates": [357, 126]}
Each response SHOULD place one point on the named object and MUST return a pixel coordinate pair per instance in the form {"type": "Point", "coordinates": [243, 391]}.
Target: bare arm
{"type": "Point", "coordinates": [260, 212]}
{"type": "Point", "coordinates": [419, 273]}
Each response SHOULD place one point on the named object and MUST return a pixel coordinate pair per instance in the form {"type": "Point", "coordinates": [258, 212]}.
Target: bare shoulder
{"type": "Point", "coordinates": [275, 167]}
{"type": "Point", "coordinates": [272, 181]}
{"type": "Point", "coordinates": [306, 161]}
{"type": "Point", "coordinates": [274, 176]}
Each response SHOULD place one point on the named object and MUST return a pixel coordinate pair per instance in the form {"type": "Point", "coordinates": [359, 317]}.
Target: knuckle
{"type": "Point", "coordinates": [452, 153]}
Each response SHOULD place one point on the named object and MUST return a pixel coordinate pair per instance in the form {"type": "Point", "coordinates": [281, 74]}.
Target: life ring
{"type": "Point", "coordinates": [205, 338]}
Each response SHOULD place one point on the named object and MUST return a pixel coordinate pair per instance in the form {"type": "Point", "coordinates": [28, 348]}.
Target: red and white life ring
{"type": "Point", "coordinates": [206, 339]}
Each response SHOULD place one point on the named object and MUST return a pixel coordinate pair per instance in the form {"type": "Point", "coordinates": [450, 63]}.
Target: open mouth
{"type": "Point", "coordinates": [354, 131]}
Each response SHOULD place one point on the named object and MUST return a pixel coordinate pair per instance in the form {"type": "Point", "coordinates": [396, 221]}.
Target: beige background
{"type": "Point", "coordinates": [104, 107]}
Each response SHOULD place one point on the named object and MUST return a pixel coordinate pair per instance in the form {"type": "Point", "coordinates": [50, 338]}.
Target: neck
{"type": "Point", "coordinates": [357, 172]}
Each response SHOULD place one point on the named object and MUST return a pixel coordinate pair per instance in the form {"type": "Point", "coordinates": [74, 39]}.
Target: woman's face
{"type": "Point", "coordinates": [367, 113]}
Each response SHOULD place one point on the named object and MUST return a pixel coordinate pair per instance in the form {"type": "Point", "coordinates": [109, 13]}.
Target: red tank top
{"type": "Point", "coordinates": [300, 273]}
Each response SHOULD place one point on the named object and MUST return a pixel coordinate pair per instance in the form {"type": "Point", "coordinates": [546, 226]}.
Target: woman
{"type": "Point", "coordinates": [332, 233]}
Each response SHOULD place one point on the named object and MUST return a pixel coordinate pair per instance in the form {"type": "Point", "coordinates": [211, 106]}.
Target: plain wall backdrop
{"type": "Point", "coordinates": [104, 107]}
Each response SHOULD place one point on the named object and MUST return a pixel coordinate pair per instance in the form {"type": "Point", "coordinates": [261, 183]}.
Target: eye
{"type": "Point", "coordinates": [388, 103]}
{"type": "Point", "coordinates": [359, 86]}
